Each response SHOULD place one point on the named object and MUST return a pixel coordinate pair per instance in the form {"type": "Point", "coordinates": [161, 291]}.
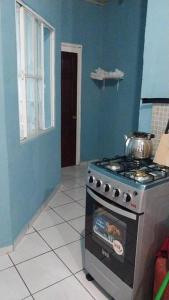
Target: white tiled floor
{"type": "Point", "coordinates": [48, 262]}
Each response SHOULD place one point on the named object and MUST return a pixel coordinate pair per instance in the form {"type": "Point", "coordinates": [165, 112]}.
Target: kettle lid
{"type": "Point", "coordinates": [143, 135]}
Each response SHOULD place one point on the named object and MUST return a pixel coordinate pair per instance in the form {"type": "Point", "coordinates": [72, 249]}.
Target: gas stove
{"type": "Point", "coordinates": [126, 221]}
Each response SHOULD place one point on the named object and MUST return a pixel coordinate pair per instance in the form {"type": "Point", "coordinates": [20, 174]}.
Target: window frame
{"type": "Point", "coordinates": [39, 117]}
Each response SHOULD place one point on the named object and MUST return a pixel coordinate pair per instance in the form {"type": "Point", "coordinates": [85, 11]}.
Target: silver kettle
{"type": "Point", "coordinates": [139, 145]}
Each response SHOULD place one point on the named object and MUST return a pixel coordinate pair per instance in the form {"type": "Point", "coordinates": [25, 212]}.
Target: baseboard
{"type": "Point", "coordinates": [10, 248]}
{"type": "Point", "coordinates": [5, 250]}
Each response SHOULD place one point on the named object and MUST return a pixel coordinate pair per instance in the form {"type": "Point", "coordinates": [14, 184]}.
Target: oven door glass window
{"type": "Point", "coordinates": [109, 230]}
{"type": "Point", "coordinates": [111, 235]}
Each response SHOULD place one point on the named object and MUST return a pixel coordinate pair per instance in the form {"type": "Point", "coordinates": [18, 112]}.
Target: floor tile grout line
{"type": "Point", "coordinates": [50, 249]}
{"type": "Point", "coordinates": [60, 259]}
{"type": "Point", "coordinates": [53, 250]}
{"type": "Point", "coordinates": [80, 181]}
{"type": "Point", "coordinates": [48, 226]}
{"type": "Point", "coordinates": [82, 188]}
{"type": "Point", "coordinates": [74, 274]}
{"type": "Point", "coordinates": [33, 257]}
{"type": "Point", "coordinates": [63, 192]}
{"type": "Point", "coordinates": [79, 185]}
{"type": "Point", "coordinates": [51, 285]}
{"type": "Point", "coordinates": [29, 233]}
{"type": "Point", "coordinates": [73, 227]}
{"type": "Point", "coordinates": [57, 214]}
{"type": "Point", "coordinates": [79, 271]}
{"type": "Point", "coordinates": [84, 286]}
{"type": "Point", "coordinates": [7, 268]}
{"type": "Point", "coordinates": [21, 277]}
{"type": "Point", "coordinates": [70, 219]}
{"type": "Point", "coordinates": [37, 230]}
{"type": "Point", "coordinates": [62, 204]}
{"type": "Point", "coordinates": [80, 238]}
{"type": "Point", "coordinates": [57, 247]}
{"type": "Point", "coordinates": [74, 202]}
{"type": "Point", "coordinates": [80, 203]}
{"type": "Point", "coordinates": [64, 221]}
{"type": "Point", "coordinates": [75, 173]}
{"type": "Point", "coordinates": [28, 297]}
{"type": "Point", "coordinates": [73, 198]}
{"type": "Point", "coordinates": [70, 224]}
{"type": "Point", "coordinates": [69, 189]}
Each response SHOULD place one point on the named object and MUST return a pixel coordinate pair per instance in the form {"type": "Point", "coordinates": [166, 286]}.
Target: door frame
{"type": "Point", "coordinates": [74, 48]}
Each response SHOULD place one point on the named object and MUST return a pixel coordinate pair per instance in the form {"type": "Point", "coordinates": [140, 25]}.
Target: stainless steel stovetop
{"type": "Point", "coordinates": [141, 171]}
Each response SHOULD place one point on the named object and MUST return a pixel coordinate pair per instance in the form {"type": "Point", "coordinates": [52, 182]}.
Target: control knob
{"type": "Point", "coordinates": [91, 179]}
{"type": "Point", "coordinates": [98, 183]}
{"type": "Point", "coordinates": [126, 197]}
{"type": "Point", "coordinates": [107, 187]}
{"type": "Point", "coordinates": [116, 193]}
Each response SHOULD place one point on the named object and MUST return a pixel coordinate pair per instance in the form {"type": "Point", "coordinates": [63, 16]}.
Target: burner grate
{"type": "Point", "coordinates": [130, 168]}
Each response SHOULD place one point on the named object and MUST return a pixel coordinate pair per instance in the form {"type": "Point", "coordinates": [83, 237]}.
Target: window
{"type": "Point", "coordinates": [35, 59]}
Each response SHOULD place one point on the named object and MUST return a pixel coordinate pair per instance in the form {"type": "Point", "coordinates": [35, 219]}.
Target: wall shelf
{"type": "Point", "coordinates": [100, 74]}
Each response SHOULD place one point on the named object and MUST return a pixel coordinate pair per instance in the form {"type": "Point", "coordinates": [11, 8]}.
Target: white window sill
{"type": "Point", "coordinates": [37, 135]}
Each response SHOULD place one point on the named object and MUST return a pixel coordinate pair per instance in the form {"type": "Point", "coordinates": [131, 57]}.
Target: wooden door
{"type": "Point", "coordinates": [68, 108]}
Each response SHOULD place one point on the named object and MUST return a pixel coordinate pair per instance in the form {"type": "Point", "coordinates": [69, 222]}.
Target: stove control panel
{"type": "Point", "coordinates": [116, 191]}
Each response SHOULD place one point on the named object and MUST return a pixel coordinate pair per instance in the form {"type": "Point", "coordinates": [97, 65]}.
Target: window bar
{"type": "Point", "coordinates": [43, 78]}
{"type": "Point", "coordinates": [23, 71]}
{"type": "Point", "coordinates": [52, 76]}
{"type": "Point", "coordinates": [34, 54]}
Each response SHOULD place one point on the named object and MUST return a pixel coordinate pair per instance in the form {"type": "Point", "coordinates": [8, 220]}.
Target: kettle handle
{"type": "Point", "coordinates": [125, 137]}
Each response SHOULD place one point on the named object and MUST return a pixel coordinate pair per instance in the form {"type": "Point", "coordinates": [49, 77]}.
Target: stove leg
{"type": "Point", "coordinates": [89, 277]}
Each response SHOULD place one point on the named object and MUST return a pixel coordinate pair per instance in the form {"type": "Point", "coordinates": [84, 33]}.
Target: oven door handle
{"type": "Point", "coordinates": [111, 207]}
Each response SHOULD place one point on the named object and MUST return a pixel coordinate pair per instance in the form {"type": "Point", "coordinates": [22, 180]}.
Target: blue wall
{"type": "Point", "coordinates": [123, 40]}
{"type": "Point", "coordinates": [156, 51]}
{"type": "Point", "coordinates": [82, 24]}
{"type": "Point", "coordinates": [31, 170]}
{"type": "Point", "coordinates": [156, 58]}
{"type": "Point", "coordinates": [5, 216]}
{"type": "Point", "coordinates": [33, 167]}
{"type": "Point", "coordinates": [111, 36]}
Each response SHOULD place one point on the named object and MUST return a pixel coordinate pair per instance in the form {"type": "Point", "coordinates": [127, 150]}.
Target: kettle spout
{"type": "Point", "coordinates": [125, 137]}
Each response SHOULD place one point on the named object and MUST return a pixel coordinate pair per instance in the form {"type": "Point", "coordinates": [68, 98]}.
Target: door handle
{"type": "Point", "coordinates": [74, 117]}
{"type": "Point", "coordinates": [111, 207]}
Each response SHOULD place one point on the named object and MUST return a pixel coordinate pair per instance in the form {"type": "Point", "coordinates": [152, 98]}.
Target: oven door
{"type": "Point", "coordinates": [111, 235]}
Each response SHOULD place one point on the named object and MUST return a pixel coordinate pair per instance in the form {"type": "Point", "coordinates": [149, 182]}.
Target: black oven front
{"type": "Point", "coordinates": [111, 235]}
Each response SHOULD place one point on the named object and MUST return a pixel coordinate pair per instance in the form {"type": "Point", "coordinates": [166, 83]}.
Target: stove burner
{"type": "Point", "coordinates": [140, 176]}
{"type": "Point", "coordinates": [114, 166]}
{"type": "Point", "coordinates": [142, 171]}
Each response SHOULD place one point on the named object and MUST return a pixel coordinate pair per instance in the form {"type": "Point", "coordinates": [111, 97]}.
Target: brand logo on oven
{"type": "Point", "coordinates": [106, 254]}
